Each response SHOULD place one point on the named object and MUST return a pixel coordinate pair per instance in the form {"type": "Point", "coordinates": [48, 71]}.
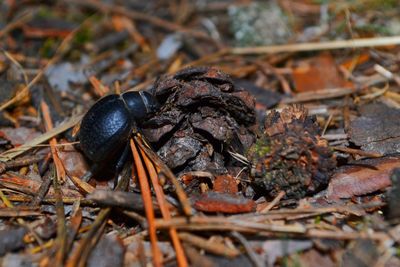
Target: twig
{"type": "Point", "coordinates": [360, 152]}
{"type": "Point", "coordinates": [223, 224]}
{"type": "Point", "coordinates": [43, 189]}
{"type": "Point", "coordinates": [273, 202]}
{"type": "Point", "coordinates": [19, 212]}
{"type": "Point", "coordinates": [4, 166]}
{"type": "Point", "coordinates": [212, 247]}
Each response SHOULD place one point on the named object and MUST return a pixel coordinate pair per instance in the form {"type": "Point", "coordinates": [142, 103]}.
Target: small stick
{"type": "Point", "coordinates": [4, 166]}
{"type": "Point", "coordinates": [43, 189]}
{"type": "Point", "coordinates": [358, 152]}
{"type": "Point", "coordinates": [275, 201]}
{"type": "Point", "coordinates": [212, 247]}
{"type": "Point", "coordinates": [19, 212]}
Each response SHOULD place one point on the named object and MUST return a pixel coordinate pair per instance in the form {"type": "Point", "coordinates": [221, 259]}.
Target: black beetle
{"type": "Point", "coordinates": [107, 126]}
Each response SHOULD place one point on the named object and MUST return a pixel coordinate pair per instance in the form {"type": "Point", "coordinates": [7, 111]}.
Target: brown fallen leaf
{"type": "Point", "coordinates": [318, 73]}
{"type": "Point", "coordinates": [226, 203]}
{"type": "Point", "coordinates": [362, 178]}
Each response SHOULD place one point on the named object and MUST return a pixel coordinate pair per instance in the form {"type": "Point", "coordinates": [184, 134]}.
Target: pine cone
{"type": "Point", "coordinates": [202, 115]}
{"type": "Point", "coordinates": [291, 156]}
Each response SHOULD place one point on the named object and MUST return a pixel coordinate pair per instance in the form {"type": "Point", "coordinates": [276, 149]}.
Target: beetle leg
{"type": "Point", "coordinates": [120, 163]}
{"type": "Point", "coordinates": [89, 174]}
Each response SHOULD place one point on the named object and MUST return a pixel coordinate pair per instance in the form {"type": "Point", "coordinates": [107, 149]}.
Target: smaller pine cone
{"type": "Point", "coordinates": [290, 156]}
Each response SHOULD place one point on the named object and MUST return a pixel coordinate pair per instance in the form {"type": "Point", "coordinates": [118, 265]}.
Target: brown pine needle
{"type": "Point", "coordinates": [83, 187]}
{"type": "Point", "coordinates": [61, 227]}
{"type": "Point", "coordinates": [99, 88]}
{"type": "Point", "coordinates": [53, 142]}
{"type": "Point", "coordinates": [180, 254]}
{"type": "Point", "coordinates": [212, 247]}
{"type": "Point", "coordinates": [273, 202]}
{"type": "Point", "coordinates": [148, 205]}
{"type": "Point", "coordinates": [369, 154]}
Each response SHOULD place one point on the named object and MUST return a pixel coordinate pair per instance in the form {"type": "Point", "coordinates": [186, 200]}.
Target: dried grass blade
{"type": "Point", "coordinates": [14, 152]}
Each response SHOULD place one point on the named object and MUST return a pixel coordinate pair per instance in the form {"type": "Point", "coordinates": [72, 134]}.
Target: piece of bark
{"type": "Point", "coordinates": [226, 203]}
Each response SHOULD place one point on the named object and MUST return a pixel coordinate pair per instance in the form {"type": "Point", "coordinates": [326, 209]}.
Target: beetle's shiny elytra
{"type": "Point", "coordinates": [109, 123]}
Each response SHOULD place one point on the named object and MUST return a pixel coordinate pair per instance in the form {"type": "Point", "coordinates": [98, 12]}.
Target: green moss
{"type": "Point", "coordinates": [260, 148]}
{"type": "Point", "coordinates": [45, 13]}
{"type": "Point", "coordinates": [373, 28]}
{"type": "Point", "coordinates": [398, 251]}
{"type": "Point", "coordinates": [83, 36]}
{"type": "Point", "coordinates": [48, 48]}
